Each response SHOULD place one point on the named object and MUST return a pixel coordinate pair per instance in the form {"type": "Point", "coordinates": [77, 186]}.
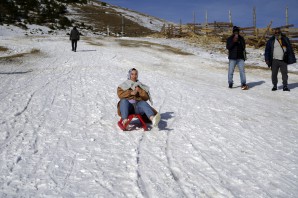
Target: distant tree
{"type": "Point", "coordinates": [64, 22]}
{"type": "Point", "coordinates": [62, 9]}
{"type": "Point", "coordinates": [36, 11]}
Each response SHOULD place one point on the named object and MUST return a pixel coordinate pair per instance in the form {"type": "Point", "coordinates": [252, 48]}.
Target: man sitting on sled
{"type": "Point", "coordinates": [133, 96]}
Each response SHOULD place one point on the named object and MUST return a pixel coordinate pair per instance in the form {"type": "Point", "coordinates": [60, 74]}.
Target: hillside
{"type": "Point", "coordinates": [59, 135]}
{"type": "Point", "coordinates": [101, 17]}
{"type": "Point", "coordinates": [90, 16]}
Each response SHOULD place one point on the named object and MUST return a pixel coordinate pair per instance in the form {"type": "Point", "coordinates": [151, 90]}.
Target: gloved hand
{"type": "Point", "coordinates": [137, 84]}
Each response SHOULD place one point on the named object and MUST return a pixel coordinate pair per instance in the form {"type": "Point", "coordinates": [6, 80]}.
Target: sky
{"type": "Point", "coordinates": [241, 11]}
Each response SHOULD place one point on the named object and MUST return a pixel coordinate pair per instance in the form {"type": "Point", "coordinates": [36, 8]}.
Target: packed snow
{"type": "Point", "coordinates": [58, 121]}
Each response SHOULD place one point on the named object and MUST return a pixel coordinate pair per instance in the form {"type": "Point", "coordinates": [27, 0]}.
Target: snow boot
{"type": "Point", "coordinates": [156, 120]}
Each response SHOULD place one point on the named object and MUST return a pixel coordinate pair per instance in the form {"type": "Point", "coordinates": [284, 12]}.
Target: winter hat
{"type": "Point", "coordinates": [236, 29]}
{"type": "Point", "coordinates": [129, 72]}
{"type": "Point", "coordinates": [277, 29]}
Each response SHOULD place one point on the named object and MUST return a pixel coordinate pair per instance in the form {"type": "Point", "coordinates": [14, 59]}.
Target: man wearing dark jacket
{"type": "Point", "coordinates": [278, 54]}
{"type": "Point", "coordinates": [237, 56]}
{"type": "Point", "coordinates": [74, 37]}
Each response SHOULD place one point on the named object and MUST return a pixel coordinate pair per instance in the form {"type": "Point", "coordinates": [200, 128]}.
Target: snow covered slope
{"type": "Point", "coordinates": [147, 21]}
{"type": "Point", "coordinates": [59, 137]}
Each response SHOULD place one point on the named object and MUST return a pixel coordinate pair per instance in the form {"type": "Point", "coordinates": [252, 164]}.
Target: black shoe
{"type": "Point", "coordinates": [230, 86]}
{"type": "Point", "coordinates": [274, 88]}
{"type": "Point", "coordinates": [286, 88]}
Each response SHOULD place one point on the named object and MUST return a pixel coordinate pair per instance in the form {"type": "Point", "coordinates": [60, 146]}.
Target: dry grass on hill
{"type": "Point", "coordinates": [101, 17]}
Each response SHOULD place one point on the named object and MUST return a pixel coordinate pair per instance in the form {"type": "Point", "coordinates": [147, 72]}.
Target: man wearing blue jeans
{"type": "Point", "coordinates": [237, 56]}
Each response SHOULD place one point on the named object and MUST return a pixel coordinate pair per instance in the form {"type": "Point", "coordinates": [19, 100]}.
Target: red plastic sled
{"type": "Point", "coordinates": [130, 117]}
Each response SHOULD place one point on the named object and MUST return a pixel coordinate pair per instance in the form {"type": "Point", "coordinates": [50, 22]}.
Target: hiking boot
{"type": "Point", "coordinates": [274, 88]}
{"type": "Point", "coordinates": [244, 87]}
{"type": "Point", "coordinates": [286, 88]}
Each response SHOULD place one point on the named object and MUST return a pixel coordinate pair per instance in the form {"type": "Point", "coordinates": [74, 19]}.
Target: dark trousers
{"type": "Point", "coordinates": [74, 45]}
{"type": "Point", "coordinates": [276, 65]}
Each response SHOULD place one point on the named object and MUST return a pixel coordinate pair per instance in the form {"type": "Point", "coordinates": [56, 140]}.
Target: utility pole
{"type": "Point", "coordinates": [254, 17]}
{"type": "Point", "coordinates": [206, 17]}
{"type": "Point", "coordinates": [180, 28]}
{"type": "Point", "coordinates": [122, 29]}
{"type": "Point", "coordinates": [194, 22]}
{"type": "Point", "coordinates": [230, 16]}
{"type": "Point", "coordinates": [287, 16]}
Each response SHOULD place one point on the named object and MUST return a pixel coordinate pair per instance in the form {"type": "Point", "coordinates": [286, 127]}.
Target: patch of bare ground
{"type": "Point", "coordinates": [134, 43]}
{"type": "Point", "coordinates": [19, 55]}
{"type": "Point", "coordinates": [3, 49]}
{"type": "Point", "coordinates": [254, 67]}
{"type": "Point", "coordinates": [91, 41]}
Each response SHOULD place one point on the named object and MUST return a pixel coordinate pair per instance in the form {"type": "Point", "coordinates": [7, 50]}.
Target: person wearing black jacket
{"type": "Point", "coordinates": [278, 54]}
{"type": "Point", "coordinates": [237, 56]}
{"type": "Point", "coordinates": [74, 37]}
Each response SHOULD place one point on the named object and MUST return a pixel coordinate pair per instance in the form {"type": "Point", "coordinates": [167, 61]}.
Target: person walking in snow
{"type": "Point", "coordinates": [133, 96]}
{"type": "Point", "coordinates": [237, 56]}
{"type": "Point", "coordinates": [74, 37]}
{"type": "Point", "coordinates": [278, 54]}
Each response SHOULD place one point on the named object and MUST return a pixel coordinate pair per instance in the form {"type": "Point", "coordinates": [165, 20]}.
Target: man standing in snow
{"type": "Point", "coordinates": [278, 54]}
{"type": "Point", "coordinates": [74, 37]}
{"type": "Point", "coordinates": [237, 56]}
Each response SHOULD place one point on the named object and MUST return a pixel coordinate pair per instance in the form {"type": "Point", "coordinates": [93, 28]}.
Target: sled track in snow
{"type": "Point", "coordinates": [140, 182]}
{"type": "Point", "coordinates": [168, 148]}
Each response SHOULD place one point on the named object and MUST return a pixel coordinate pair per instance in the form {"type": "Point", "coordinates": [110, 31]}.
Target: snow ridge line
{"type": "Point", "coordinates": [169, 156]}
{"type": "Point", "coordinates": [169, 160]}
{"type": "Point", "coordinates": [98, 181]}
{"type": "Point", "coordinates": [140, 181]}
{"type": "Point", "coordinates": [213, 168]}
{"type": "Point", "coordinates": [66, 179]}
{"type": "Point", "coordinates": [25, 108]}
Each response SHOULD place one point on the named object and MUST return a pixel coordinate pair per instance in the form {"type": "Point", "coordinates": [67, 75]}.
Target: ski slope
{"type": "Point", "coordinates": [59, 134]}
